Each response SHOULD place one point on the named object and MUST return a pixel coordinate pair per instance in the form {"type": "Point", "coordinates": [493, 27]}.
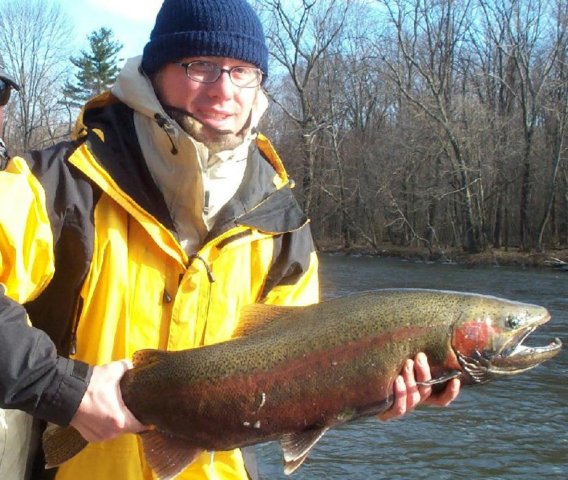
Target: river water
{"type": "Point", "coordinates": [512, 429]}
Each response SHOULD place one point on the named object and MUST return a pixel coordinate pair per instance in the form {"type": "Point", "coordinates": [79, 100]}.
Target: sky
{"type": "Point", "coordinates": [131, 21]}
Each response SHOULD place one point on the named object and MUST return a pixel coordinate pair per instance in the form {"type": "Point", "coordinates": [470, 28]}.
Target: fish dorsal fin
{"type": "Point", "coordinates": [167, 455]}
{"type": "Point", "coordinates": [147, 357]}
{"type": "Point", "coordinates": [297, 446]}
{"type": "Point", "coordinates": [258, 316]}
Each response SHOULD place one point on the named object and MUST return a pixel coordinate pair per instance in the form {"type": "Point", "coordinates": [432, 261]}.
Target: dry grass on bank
{"type": "Point", "coordinates": [557, 258]}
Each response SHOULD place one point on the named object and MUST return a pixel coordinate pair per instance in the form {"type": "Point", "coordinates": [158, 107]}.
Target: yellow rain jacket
{"type": "Point", "coordinates": [88, 246]}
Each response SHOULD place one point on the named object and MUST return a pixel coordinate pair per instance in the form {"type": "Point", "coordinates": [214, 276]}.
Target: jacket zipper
{"type": "Point", "coordinates": [211, 280]}
{"type": "Point", "coordinates": [73, 343]}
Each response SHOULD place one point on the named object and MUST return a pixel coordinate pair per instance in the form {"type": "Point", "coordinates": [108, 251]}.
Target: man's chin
{"type": "Point", "coordinates": [214, 139]}
{"type": "Point", "coordinates": [206, 133]}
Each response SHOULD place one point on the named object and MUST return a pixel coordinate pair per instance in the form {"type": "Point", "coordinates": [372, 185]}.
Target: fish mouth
{"type": "Point", "coordinates": [516, 357]}
{"type": "Point", "coordinates": [513, 357]}
{"type": "Point", "coordinates": [521, 358]}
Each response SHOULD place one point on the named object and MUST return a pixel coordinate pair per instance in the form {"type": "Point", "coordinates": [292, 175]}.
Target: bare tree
{"type": "Point", "coordinates": [299, 33]}
{"type": "Point", "coordinates": [556, 114]}
{"type": "Point", "coordinates": [428, 36]}
{"type": "Point", "coordinates": [491, 58]}
{"type": "Point", "coordinates": [439, 124]}
{"type": "Point", "coordinates": [35, 41]}
{"type": "Point", "coordinates": [525, 26]}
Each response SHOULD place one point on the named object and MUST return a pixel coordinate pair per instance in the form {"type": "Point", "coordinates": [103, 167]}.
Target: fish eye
{"type": "Point", "coordinates": [513, 322]}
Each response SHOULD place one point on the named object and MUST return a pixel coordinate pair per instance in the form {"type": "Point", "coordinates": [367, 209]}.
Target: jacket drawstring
{"type": "Point", "coordinates": [165, 125]}
{"type": "Point", "coordinates": [211, 279]}
{"type": "Point", "coordinates": [210, 275]}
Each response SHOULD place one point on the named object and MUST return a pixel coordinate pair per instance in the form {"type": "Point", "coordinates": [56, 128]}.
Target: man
{"type": "Point", "coordinates": [164, 216]}
{"type": "Point", "coordinates": [15, 425]}
{"type": "Point", "coordinates": [7, 84]}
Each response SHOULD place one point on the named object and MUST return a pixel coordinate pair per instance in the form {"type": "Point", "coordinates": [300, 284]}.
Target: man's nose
{"type": "Point", "coordinates": [223, 86]}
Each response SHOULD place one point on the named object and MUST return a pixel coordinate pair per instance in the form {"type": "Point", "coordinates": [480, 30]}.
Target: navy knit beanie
{"type": "Point", "coordinates": [217, 28]}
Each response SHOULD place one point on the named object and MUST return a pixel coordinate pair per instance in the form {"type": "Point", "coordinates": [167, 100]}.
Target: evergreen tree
{"type": "Point", "coordinates": [97, 68]}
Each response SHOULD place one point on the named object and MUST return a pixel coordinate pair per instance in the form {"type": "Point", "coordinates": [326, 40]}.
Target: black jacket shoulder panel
{"type": "Point", "coordinates": [279, 213]}
{"type": "Point", "coordinates": [70, 200]}
{"type": "Point", "coordinates": [70, 195]}
{"type": "Point", "coordinates": [258, 204]}
{"type": "Point", "coordinates": [291, 258]}
{"type": "Point", "coordinates": [121, 156]}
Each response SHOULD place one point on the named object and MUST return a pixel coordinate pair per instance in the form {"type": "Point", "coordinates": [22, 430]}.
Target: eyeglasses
{"type": "Point", "coordinates": [209, 72]}
{"type": "Point", "coordinates": [5, 91]}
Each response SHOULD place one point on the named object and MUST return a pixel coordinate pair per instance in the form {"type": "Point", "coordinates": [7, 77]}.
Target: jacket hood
{"type": "Point", "coordinates": [134, 88]}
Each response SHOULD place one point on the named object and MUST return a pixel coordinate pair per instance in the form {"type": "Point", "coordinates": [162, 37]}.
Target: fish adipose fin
{"type": "Point", "coordinates": [297, 446]}
{"type": "Point", "coordinates": [253, 318]}
{"type": "Point", "coordinates": [167, 455]}
{"type": "Point", "coordinates": [61, 444]}
{"type": "Point", "coordinates": [443, 379]}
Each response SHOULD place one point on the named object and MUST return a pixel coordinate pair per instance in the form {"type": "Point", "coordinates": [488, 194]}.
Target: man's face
{"type": "Point", "coordinates": [221, 108]}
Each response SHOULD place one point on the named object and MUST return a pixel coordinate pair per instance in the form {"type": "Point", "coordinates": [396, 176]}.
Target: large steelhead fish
{"type": "Point", "coordinates": [292, 373]}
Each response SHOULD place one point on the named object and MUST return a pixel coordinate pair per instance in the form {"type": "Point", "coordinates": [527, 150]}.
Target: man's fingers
{"type": "Point", "coordinates": [413, 396]}
{"type": "Point", "coordinates": [409, 391]}
{"type": "Point", "coordinates": [447, 395]}
{"type": "Point", "coordinates": [119, 367]}
{"type": "Point", "coordinates": [399, 406]}
{"type": "Point", "coordinates": [423, 374]}
{"type": "Point", "coordinates": [131, 423]}
{"type": "Point", "coordinates": [102, 414]}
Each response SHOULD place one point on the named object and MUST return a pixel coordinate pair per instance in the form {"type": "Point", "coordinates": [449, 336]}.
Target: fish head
{"type": "Point", "coordinates": [488, 339]}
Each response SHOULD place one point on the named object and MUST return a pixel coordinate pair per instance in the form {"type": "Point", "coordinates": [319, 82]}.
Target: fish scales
{"type": "Point", "coordinates": [289, 362]}
{"type": "Point", "coordinates": [303, 370]}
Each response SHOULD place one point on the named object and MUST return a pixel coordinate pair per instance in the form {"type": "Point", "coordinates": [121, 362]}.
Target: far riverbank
{"type": "Point", "coordinates": [553, 258]}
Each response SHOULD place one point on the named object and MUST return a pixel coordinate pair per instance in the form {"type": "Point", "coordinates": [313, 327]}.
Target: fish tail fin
{"type": "Point", "coordinates": [61, 444]}
{"type": "Point", "coordinates": [167, 455]}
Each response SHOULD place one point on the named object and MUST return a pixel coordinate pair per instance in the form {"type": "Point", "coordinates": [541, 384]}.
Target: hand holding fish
{"type": "Point", "coordinates": [102, 414]}
{"type": "Point", "coordinates": [408, 394]}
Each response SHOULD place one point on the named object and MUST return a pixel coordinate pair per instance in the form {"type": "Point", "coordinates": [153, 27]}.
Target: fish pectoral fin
{"type": "Point", "coordinates": [61, 444]}
{"type": "Point", "coordinates": [442, 379]}
{"type": "Point", "coordinates": [477, 367]}
{"type": "Point", "coordinates": [167, 455]}
{"type": "Point", "coordinates": [297, 446]}
{"type": "Point", "coordinates": [147, 356]}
